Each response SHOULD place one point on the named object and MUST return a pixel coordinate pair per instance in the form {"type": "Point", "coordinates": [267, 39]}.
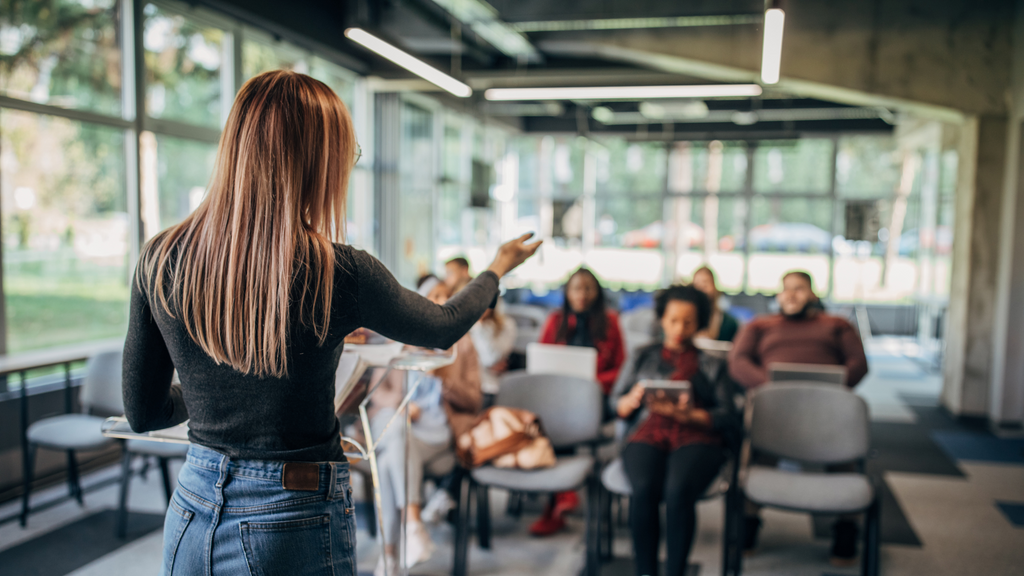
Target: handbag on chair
{"type": "Point", "coordinates": [505, 438]}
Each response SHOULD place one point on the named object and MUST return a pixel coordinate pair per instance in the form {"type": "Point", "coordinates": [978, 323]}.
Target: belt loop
{"type": "Point", "coordinates": [224, 461]}
{"type": "Point", "coordinates": [332, 493]}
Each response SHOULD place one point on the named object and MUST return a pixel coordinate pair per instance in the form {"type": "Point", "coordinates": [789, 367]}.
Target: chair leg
{"type": "Point", "coordinates": [483, 516]}
{"type": "Point", "coordinates": [737, 511]}
{"type": "Point", "coordinates": [126, 480]}
{"type": "Point", "coordinates": [28, 468]}
{"type": "Point", "coordinates": [74, 481]}
{"type": "Point", "coordinates": [731, 540]}
{"type": "Point", "coordinates": [459, 563]}
{"type": "Point", "coordinates": [593, 563]}
{"type": "Point", "coordinates": [870, 553]}
{"type": "Point", "coordinates": [515, 504]}
{"type": "Point", "coordinates": [165, 473]}
{"type": "Point", "coordinates": [607, 529]}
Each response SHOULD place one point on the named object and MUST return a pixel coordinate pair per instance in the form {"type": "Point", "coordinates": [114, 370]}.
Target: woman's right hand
{"type": "Point", "coordinates": [631, 402]}
{"type": "Point", "coordinates": [512, 254]}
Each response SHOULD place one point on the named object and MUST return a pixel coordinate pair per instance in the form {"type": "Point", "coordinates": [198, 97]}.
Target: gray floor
{"type": "Point", "coordinates": [954, 516]}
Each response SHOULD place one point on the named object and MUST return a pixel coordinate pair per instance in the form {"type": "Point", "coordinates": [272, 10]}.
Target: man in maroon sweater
{"type": "Point", "coordinates": [801, 333]}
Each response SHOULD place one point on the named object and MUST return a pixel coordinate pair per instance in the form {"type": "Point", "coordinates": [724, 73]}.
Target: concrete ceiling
{"type": "Point", "coordinates": [944, 58]}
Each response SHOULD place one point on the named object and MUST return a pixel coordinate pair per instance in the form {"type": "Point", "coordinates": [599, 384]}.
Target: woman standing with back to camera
{"type": "Point", "coordinates": [250, 298]}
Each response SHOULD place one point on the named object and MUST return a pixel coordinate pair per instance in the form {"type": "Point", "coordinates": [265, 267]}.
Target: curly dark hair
{"type": "Point", "coordinates": [684, 293]}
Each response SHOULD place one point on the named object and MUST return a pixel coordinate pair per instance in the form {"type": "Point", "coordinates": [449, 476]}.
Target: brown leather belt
{"type": "Point", "coordinates": [302, 476]}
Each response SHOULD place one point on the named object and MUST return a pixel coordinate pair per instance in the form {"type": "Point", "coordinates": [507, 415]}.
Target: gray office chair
{"type": "Point", "coordinates": [817, 425]}
{"type": "Point", "coordinates": [616, 482]}
{"type": "Point", "coordinates": [529, 321]}
{"type": "Point", "coordinates": [570, 412]}
{"type": "Point", "coordinates": [71, 433]}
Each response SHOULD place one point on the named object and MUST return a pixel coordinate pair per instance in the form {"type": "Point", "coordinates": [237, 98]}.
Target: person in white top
{"type": "Point", "coordinates": [494, 337]}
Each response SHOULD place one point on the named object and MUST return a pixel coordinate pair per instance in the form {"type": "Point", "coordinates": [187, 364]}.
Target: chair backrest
{"type": "Point", "coordinates": [101, 389]}
{"type": "Point", "coordinates": [569, 409]}
{"type": "Point", "coordinates": [527, 315]}
{"type": "Point", "coordinates": [808, 422]}
{"type": "Point", "coordinates": [642, 320]}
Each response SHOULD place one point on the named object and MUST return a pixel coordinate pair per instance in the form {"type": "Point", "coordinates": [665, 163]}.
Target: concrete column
{"type": "Point", "coordinates": [972, 309]}
{"type": "Point", "coordinates": [1006, 399]}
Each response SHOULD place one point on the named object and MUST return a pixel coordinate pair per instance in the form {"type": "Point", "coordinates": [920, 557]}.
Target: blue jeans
{"type": "Point", "coordinates": [234, 517]}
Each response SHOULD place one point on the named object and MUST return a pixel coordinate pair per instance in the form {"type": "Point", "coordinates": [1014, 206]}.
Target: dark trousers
{"type": "Point", "coordinates": [680, 478]}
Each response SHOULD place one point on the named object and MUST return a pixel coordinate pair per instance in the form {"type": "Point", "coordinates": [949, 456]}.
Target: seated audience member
{"type": "Point", "coordinates": [723, 326]}
{"type": "Point", "coordinates": [584, 320]}
{"type": "Point", "coordinates": [802, 332]}
{"type": "Point", "coordinates": [494, 337]}
{"type": "Point", "coordinates": [444, 405]}
{"type": "Point", "coordinates": [456, 273]}
{"type": "Point", "coordinates": [674, 450]}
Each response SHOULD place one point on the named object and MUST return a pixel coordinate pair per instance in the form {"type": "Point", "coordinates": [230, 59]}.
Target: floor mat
{"type": "Point", "coordinates": [70, 547]}
{"type": "Point", "coordinates": [980, 446]}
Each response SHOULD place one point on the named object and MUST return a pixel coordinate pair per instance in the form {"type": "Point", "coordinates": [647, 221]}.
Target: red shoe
{"type": "Point", "coordinates": [565, 502]}
{"type": "Point", "coordinates": [547, 525]}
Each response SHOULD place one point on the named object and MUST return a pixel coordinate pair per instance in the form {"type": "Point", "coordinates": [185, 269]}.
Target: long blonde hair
{"type": "Point", "coordinates": [264, 232]}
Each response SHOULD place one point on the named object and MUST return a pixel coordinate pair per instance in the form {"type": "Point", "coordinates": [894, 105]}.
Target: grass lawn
{"type": "Point", "coordinates": [59, 300]}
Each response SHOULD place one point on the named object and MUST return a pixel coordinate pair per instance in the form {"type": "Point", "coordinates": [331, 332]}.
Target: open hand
{"type": "Point", "coordinates": [512, 254]}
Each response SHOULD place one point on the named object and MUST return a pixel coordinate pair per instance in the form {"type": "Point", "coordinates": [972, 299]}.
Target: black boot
{"type": "Point", "coordinates": [844, 543]}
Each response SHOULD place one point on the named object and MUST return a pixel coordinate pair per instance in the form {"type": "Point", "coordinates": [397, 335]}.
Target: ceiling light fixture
{"type": "Point", "coordinates": [625, 92]}
{"type": "Point", "coordinates": [409, 62]}
{"type": "Point", "coordinates": [771, 52]}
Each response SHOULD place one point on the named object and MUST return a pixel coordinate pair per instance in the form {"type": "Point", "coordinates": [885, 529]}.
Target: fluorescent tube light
{"type": "Point", "coordinates": [624, 92]}
{"type": "Point", "coordinates": [771, 53]}
{"type": "Point", "coordinates": [409, 62]}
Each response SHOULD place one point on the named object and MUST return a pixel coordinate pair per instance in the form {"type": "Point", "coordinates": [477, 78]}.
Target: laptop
{"type": "Point", "coordinates": [794, 372]}
{"type": "Point", "coordinates": [562, 360]}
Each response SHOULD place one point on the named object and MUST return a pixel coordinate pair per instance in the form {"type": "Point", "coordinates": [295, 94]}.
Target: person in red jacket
{"type": "Point", "coordinates": [584, 320]}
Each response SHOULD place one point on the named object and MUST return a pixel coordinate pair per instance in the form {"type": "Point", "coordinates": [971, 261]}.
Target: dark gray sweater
{"type": "Point", "coordinates": [291, 418]}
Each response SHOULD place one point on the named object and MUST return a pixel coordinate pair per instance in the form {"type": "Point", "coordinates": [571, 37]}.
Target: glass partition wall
{"type": "Point", "coordinates": [642, 214]}
{"type": "Point", "coordinates": [110, 114]}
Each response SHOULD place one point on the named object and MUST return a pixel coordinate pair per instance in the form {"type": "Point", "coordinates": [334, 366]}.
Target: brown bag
{"type": "Point", "coordinates": [507, 438]}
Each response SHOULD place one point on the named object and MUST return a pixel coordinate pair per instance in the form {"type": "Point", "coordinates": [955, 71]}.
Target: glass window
{"type": "Point", "coordinates": [628, 222]}
{"type": "Point", "coordinates": [630, 168]}
{"type": "Point", "coordinates": [183, 170]}
{"type": "Point", "coordinates": [64, 53]}
{"type": "Point", "coordinates": [339, 79]}
{"type": "Point", "coordinates": [260, 56]}
{"type": "Point", "coordinates": [416, 204]}
{"type": "Point", "coordinates": [184, 61]}
{"type": "Point", "coordinates": [65, 227]}
{"type": "Point", "coordinates": [719, 246]}
{"type": "Point", "coordinates": [708, 167]}
{"type": "Point", "coordinates": [947, 173]}
{"type": "Point", "coordinates": [867, 166]}
{"type": "Point", "coordinates": [801, 166]}
{"type": "Point", "coordinates": [789, 234]}
{"type": "Point", "coordinates": [566, 171]}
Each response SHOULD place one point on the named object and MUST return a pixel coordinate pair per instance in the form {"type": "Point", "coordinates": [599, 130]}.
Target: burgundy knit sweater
{"type": "Point", "coordinates": [820, 339]}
